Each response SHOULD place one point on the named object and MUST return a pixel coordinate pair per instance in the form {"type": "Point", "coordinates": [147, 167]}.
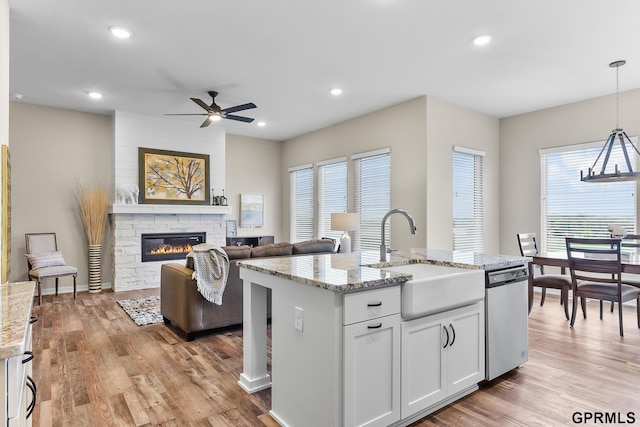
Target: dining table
{"type": "Point", "coordinates": [559, 259]}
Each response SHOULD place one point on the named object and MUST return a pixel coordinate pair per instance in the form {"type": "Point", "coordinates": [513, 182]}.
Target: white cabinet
{"type": "Point", "coordinates": [372, 358]}
{"type": "Point", "coordinates": [17, 386]}
{"type": "Point", "coordinates": [442, 355]}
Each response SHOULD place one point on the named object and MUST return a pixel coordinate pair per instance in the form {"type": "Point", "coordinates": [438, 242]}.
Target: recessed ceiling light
{"type": "Point", "coordinates": [261, 124]}
{"type": "Point", "coordinates": [94, 95]}
{"type": "Point", "coordinates": [336, 91]}
{"type": "Point", "coordinates": [481, 40]}
{"type": "Point", "coordinates": [119, 32]}
{"type": "Point", "coordinates": [16, 95]}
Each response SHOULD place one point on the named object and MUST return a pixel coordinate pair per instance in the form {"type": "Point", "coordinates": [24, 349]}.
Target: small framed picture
{"type": "Point", "coordinates": [251, 210]}
{"type": "Point", "coordinates": [232, 229]}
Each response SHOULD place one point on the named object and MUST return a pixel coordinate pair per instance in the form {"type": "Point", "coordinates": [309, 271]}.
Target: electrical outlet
{"type": "Point", "coordinates": [298, 319]}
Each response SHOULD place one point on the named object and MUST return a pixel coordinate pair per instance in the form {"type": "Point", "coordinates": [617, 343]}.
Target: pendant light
{"type": "Point", "coordinates": [608, 175]}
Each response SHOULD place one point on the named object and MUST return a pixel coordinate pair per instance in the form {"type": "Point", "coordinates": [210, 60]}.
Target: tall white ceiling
{"type": "Point", "coordinates": [285, 56]}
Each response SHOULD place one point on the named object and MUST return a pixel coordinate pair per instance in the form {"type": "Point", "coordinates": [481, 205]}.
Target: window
{"type": "Point", "coordinates": [301, 203]}
{"type": "Point", "coordinates": [570, 207]}
{"type": "Point", "coordinates": [332, 194]}
{"type": "Point", "coordinates": [372, 197]}
{"type": "Point", "coordinates": [468, 210]}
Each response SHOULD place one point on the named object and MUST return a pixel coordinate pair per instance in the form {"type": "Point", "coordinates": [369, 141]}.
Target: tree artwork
{"type": "Point", "coordinates": [171, 177]}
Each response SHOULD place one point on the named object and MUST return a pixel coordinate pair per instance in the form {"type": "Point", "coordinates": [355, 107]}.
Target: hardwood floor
{"type": "Point", "coordinates": [94, 367]}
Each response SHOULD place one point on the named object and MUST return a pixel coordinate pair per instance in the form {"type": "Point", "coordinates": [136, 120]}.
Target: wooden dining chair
{"type": "Point", "coordinates": [596, 272]}
{"type": "Point", "coordinates": [527, 242]}
{"type": "Point", "coordinates": [630, 241]}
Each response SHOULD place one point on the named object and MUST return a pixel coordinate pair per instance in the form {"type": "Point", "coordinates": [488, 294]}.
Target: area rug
{"type": "Point", "coordinates": [143, 311]}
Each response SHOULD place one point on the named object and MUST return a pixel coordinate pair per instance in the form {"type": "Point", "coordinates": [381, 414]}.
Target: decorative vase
{"type": "Point", "coordinates": [95, 268]}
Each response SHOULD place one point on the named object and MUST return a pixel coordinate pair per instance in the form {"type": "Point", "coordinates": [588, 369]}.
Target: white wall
{"type": "Point", "coordinates": [449, 125]}
{"type": "Point", "coordinates": [50, 157]}
{"type": "Point", "coordinates": [254, 166]}
{"type": "Point", "coordinates": [132, 131]}
{"type": "Point", "coordinates": [421, 134]}
{"type": "Point", "coordinates": [522, 136]}
{"type": "Point", "coordinates": [4, 94]}
{"type": "Point", "coordinates": [402, 128]}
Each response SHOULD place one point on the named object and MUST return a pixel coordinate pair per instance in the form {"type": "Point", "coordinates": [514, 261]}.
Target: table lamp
{"type": "Point", "coordinates": [346, 222]}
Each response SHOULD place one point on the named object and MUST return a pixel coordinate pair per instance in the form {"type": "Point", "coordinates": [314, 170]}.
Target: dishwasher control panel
{"type": "Point", "coordinates": [501, 277]}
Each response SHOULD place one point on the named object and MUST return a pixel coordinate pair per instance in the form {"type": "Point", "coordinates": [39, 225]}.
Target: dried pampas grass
{"type": "Point", "coordinates": [94, 204]}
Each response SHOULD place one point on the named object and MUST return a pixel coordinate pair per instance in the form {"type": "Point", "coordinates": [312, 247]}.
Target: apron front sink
{"type": "Point", "coordinates": [437, 288]}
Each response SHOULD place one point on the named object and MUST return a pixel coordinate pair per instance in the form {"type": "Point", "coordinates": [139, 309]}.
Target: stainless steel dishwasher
{"type": "Point", "coordinates": [506, 320]}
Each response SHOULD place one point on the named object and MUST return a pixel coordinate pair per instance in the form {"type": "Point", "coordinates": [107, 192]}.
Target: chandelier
{"type": "Point", "coordinates": [608, 175]}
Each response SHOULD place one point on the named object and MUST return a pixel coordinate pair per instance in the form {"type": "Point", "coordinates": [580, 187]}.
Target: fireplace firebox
{"type": "Point", "coordinates": [167, 246]}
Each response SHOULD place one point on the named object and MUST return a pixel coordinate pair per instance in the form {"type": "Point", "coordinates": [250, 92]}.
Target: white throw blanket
{"type": "Point", "coordinates": [210, 270]}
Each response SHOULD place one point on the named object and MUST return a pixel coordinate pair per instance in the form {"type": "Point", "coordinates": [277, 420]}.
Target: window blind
{"type": "Point", "coordinates": [372, 198]}
{"type": "Point", "coordinates": [570, 207]}
{"type": "Point", "coordinates": [468, 201]}
{"type": "Point", "coordinates": [301, 203]}
{"type": "Point", "coordinates": [332, 195]}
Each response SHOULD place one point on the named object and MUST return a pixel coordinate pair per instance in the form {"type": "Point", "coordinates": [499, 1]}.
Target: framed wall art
{"type": "Point", "coordinates": [173, 177]}
{"type": "Point", "coordinates": [251, 210]}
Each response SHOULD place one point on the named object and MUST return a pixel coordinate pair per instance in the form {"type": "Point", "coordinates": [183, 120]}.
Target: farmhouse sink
{"type": "Point", "coordinates": [437, 288]}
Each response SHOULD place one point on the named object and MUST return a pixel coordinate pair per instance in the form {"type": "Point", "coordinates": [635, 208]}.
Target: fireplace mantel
{"type": "Point", "coordinates": [148, 209]}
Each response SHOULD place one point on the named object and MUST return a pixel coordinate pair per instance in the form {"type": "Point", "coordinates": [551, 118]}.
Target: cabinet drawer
{"type": "Point", "coordinates": [365, 305]}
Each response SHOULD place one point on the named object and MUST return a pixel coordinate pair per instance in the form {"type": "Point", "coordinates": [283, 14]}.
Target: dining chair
{"type": "Point", "coordinates": [44, 261]}
{"type": "Point", "coordinates": [630, 241]}
{"type": "Point", "coordinates": [527, 242]}
{"type": "Point", "coordinates": [596, 272]}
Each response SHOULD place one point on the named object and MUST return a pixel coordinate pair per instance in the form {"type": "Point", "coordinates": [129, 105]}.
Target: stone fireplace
{"type": "Point", "coordinates": [130, 221]}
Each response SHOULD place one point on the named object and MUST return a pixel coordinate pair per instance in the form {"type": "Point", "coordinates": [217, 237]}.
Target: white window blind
{"type": "Point", "coordinates": [570, 207]}
{"type": "Point", "coordinates": [301, 203]}
{"type": "Point", "coordinates": [332, 195]}
{"type": "Point", "coordinates": [372, 197]}
{"type": "Point", "coordinates": [468, 200]}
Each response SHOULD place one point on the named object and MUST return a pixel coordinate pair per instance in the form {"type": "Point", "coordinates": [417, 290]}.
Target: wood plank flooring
{"type": "Point", "coordinates": [94, 367]}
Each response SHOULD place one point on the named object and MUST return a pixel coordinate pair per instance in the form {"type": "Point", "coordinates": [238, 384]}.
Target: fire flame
{"type": "Point", "coordinates": [170, 249]}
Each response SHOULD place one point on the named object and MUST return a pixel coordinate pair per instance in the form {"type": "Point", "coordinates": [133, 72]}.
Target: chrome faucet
{"type": "Point", "coordinates": [412, 228]}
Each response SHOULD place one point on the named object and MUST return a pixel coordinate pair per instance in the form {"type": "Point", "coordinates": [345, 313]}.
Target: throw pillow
{"type": "Point", "coordinates": [47, 259]}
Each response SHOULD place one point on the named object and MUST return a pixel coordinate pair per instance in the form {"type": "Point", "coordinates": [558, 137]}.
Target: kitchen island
{"type": "Point", "coordinates": [16, 384]}
{"type": "Point", "coordinates": [342, 352]}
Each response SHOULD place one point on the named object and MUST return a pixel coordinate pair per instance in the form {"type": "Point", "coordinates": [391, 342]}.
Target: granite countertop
{"type": "Point", "coordinates": [16, 300]}
{"type": "Point", "coordinates": [357, 270]}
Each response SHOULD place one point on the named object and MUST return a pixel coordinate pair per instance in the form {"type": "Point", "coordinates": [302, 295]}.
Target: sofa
{"type": "Point", "coordinates": [185, 309]}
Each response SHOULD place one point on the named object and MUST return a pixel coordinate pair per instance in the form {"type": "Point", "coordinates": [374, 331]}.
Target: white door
{"type": "Point", "coordinates": [466, 347]}
{"type": "Point", "coordinates": [424, 380]}
{"type": "Point", "coordinates": [372, 372]}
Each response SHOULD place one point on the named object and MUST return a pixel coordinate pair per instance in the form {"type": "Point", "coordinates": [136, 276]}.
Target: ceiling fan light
{"type": "Point", "coordinates": [215, 117]}
{"type": "Point", "coordinates": [120, 32]}
{"type": "Point", "coordinates": [482, 40]}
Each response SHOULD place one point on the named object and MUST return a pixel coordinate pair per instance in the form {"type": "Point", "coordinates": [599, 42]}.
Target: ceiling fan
{"type": "Point", "coordinates": [215, 113]}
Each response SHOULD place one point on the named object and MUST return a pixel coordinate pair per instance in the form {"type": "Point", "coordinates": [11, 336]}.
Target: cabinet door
{"type": "Point", "coordinates": [424, 380]}
{"type": "Point", "coordinates": [372, 372]}
{"type": "Point", "coordinates": [466, 351]}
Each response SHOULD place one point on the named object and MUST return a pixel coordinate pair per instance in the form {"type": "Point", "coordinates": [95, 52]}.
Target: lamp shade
{"type": "Point", "coordinates": [345, 221]}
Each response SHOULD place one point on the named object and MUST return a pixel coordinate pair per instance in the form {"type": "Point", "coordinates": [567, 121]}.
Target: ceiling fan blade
{"type": "Point", "coordinates": [201, 103]}
{"type": "Point", "coordinates": [206, 123]}
{"type": "Point", "coordinates": [238, 118]}
{"type": "Point", "coordinates": [198, 114]}
{"type": "Point", "coordinates": [239, 108]}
